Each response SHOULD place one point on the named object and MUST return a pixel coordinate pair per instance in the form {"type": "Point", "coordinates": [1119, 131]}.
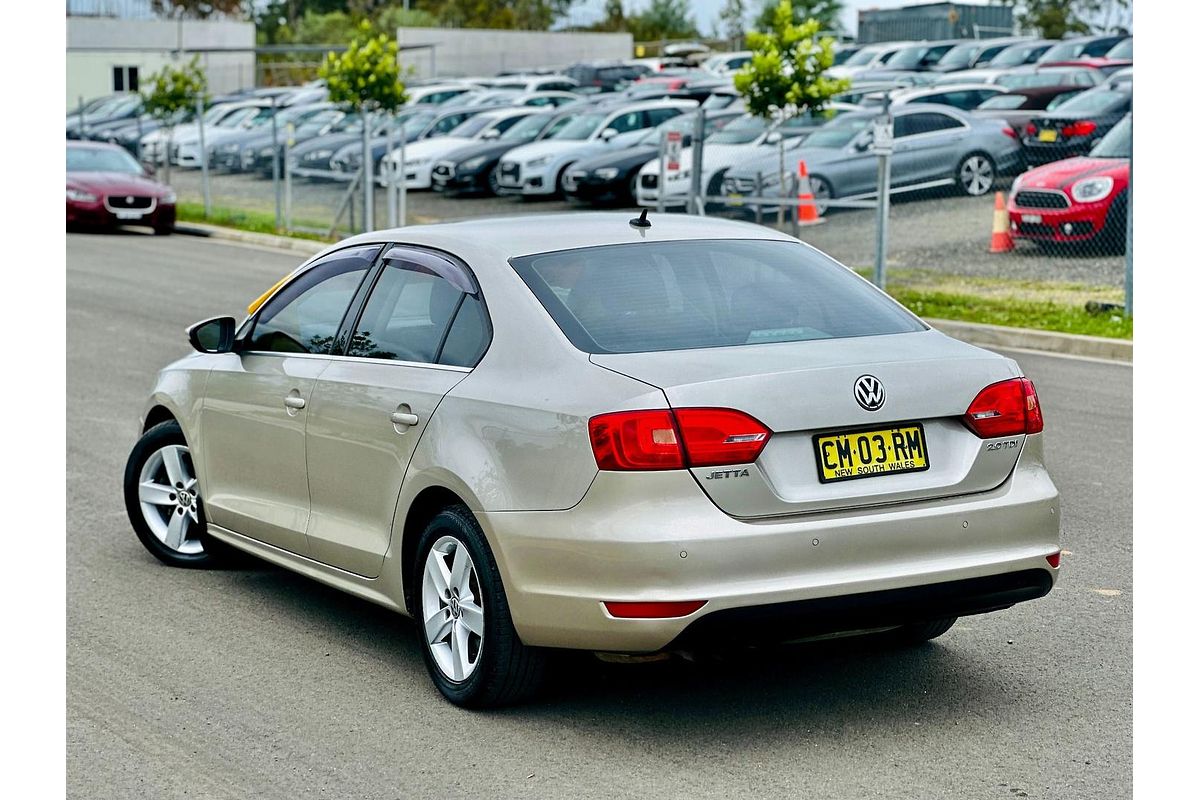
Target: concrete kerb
{"type": "Point", "coordinates": [983, 335]}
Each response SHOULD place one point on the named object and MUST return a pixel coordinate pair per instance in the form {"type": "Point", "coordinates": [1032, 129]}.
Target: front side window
{"type": "Point", "coordinates": [697, 294]}
{"type": "Point", "coordinates": [304, 316]}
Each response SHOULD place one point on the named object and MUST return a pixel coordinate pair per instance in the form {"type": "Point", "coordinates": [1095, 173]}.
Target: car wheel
{"type": "Point", "coordinates": [923, 631]}
{"type": "Point", "coordinates": [562, 176]}
{"type": "Point", "coordinates": [163, 230]}
{"type": "Point", "coordinates": [471, 649]}
{"type": "Point", "coordinates": [633, 184]}
{"type": "Point", "coordinates": [822, 193]}
{"type": "Point", "coordinates": [493, 180]}
{"type": "Point", "coordinates": [162, 499]}
{"type": "Point", "coordinates": [976, 174]}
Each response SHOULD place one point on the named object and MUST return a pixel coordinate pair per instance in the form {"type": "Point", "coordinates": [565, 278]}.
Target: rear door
{"type": "Point", "coordinates": [926, 146]}
{"type": "Point", "coordinates": [256, 404]}
{"type": "Point", "coordinates": [421, 329]}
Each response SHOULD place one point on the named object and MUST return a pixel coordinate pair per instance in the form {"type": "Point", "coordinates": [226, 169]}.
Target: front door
{"type": "Point", "coordinates": [256, 404]}
{"type": "Point", "coordinates": [421, 330]}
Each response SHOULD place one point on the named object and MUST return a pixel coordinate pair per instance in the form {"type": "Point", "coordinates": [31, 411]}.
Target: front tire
{"type": "Point", "coordinates": [470, 646]}
{"type": "Point", "coordinates": [162, 499]}
{"type": "Point", "coordinates": [975, 175]}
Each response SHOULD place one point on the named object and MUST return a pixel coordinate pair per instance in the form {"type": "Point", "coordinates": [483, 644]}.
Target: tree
{"type": "Point", "coordinates": [1053, 19]}
{"type": "Point", "coordinates": [537, 15]}
{"type": "Point", "coordinates": [786, 75]}
{"type": "Point", "coordinates": [199, 9]}
{"type": "Point", "coordinates": [366, 77]}
{"type": "Point", "coordinates": [826, 12]}
{"type": "Point", "coordinates": [172, 95]}
{"type": "Point", "coordinates": [663, 19]}
{"type": "Point", "coordinates": [733, 21]}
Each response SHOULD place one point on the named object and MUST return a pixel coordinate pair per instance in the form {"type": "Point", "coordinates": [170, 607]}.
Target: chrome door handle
{"type": "Point", "coordinates": [402, 418]}
{"type": "Point", "coordinates": [291, 401]}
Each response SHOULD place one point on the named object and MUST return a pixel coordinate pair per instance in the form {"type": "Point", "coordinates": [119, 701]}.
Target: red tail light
{"type": "Point", "coordinates": [653, 610]}
{"type": "Point", "coordinates": [1006, 408]}
{"type": "Point", "coordinates": [1081, 128]}
{"type": "Point", "coordinates": [1031, 129]}
{"type": "Point", "coordinates": [686, 437]}
{"type": "Point", "coordinates": [1009, 132]}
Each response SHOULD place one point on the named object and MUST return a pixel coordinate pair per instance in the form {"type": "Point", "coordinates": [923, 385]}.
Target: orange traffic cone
{"type": "Point", "coordinates": [807, 205]}
{"type": "Point", "coordinates": [1002, 240]}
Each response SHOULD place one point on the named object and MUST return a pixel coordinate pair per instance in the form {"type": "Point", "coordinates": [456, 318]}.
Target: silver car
{"type": "Point", "coordinates": [597, 433]}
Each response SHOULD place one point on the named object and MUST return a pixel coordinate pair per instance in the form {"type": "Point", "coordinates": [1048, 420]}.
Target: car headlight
{"type": "Point", "coordinates": [412, 162]}
{"type": "Point", "coordinates": [538, 162]}
{"type": "Point", "coordinates": [80, 196]}
{"type": "Point", "coordinates": [1092, 189]}
{"type": "Point", "coordinates": [168, 199]}
{"type": "Point", "coordinates": [473, 163]}
{"type": "Point", "coordinates": [319, 155]}
{"type": "Point", "coordinates": [607, 173]}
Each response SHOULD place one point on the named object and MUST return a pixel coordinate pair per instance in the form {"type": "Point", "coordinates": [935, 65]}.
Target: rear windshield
{"type": "Point", "coordinates": [646, 297]}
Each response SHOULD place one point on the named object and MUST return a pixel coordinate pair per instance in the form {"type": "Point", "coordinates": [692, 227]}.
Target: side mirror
{"type": "Point", "coordinates": [773, 137]}
{"type": "Point", "coordinates": [213, 335]}
{"type": "Point", "coordinates": [491, 134]}
{"type": "Point", "coordinates": [607, 134]}
{"type": "Point", "coordinates": [864, 143]}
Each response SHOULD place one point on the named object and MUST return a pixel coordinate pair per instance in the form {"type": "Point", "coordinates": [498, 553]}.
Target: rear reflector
{"type": "Point", "coordinates": [654, 610]}
{"type": "Point", "coordinates": [1053, 559]}
{"type": "Point", "coordinates": [1006, 408]}
{"type": "Point", "coordinates": [686, 437]}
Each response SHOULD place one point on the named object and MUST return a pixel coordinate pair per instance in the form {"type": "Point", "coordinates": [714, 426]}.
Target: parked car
{"type": "Point", "coordinates": [513, 430]}
{"type": "Point", "coordinates": [433, 94]}
{"type": "Point", "coordinates": [872, 56]}
{"type": "Point", "coordinates": [1104, 65]}
{"type": "Point", "coordinates": [537, 83]}
{"type": "Point", "coordinates": [241, 152]}
{"type": "Point", "coordinates": [611, 178]}
{"type": "Point", "coordinates": [121, 106]}
{"type": "Point", "coordinates": [975, 53]}
{"type": "Point", "coordinates": [1080, 200]}
{"type": "Point", "coordinates": [1082, 46]}
{"type": "Point", "coordinates": [154, 145]}
{"type": "Point", "coordinates": [915, 57]}
{"type": "Point", "coordinates": [412, 128]}
{"type": "Point", "coordinates": [964, 97]}
{"type": "Point", "coordinates": [185, 146]}
{"type": "Point", "coordinates": [1121, 50]}
{"type": "Point", "coordinates": [474, 168]}
{"type": "Point", "coordinates": [420, 156]}
{"type": "Point", "coordinates": [931, 143]}
{"type": "Point", "coordinates": [107, 187]}
{"type": "Point", "coordinates": [743, 140]}
{"type": "Point", "coordinates": [727, 63]}
{"type": "Point", "coordinates": [1018, 106]}
{"type": "Point", "coordinates": [1074, 127]}
{"type": "Point", "coordinates": [604, 76]}
{"type": "Point", "coordinates": [1030, 77]}
{"type": "Point", "coordinates": [1121, 79]}
{"type": "Point", "coordinates": [537, 168]}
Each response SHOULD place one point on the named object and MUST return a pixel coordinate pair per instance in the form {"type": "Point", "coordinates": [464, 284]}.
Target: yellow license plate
{"type": "Point", "coordinates": [733, 199]}
{"type": "Point", "coordinates": [871, 453]}
{"type": "Point", "coordinates": [1047, 135]}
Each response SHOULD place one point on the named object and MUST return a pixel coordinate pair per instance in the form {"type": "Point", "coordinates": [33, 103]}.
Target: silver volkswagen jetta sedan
{"type": "Point", "coordinates": [588, 432]}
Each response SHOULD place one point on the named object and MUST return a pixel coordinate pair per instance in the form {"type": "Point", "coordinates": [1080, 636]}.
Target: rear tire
{"type": "Point", "coordinates": [493, 181]}
{"type": "Point", "coordinates": [975, 175]}
{"type": "Point", "coordinates": [919, 632]}
{"type": "Point", "coordinates": [471, 649]}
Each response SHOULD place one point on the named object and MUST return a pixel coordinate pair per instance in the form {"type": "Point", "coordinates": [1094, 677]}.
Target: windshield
{"type": "Point", "coordinates": [742, 130]}
{"type": "Point", "coordinates": [415, 122]}
{"type": "Point", "coordinates": [236, 118]}
{"type": "Point", "coordinates": [315, 123]}
{"type": "Point", "coordinates": [1123, 49]}
{"type": "Point", "coordinates": [1064, 50]}
{"type": "Point", "coordinates": [683, 295]}
{"type": "Point", "coordinates": [959, 56]}
{"type": "Point", "coordinates": [94, 159]}
{"type": "Point", "coordinates": [863, 57]}
{"type": "Point", "coordinates": [1097, 100]}
{"type": "Point", "coordinates": [472, 126]}
{"type": "Point", "coordinates": [1032, 80]}
{"type": "Point", "coordinates": [838, 133]}
{"type": "Point", "coordinates": [526, 130]}
{"type": "Point", "coordinates": [1117, 143]}
{"type": "Point", "coordinates": [908, 58]}
{"type": "Point", "coordinates": [580, 127]}
{"type": "Point", "coordinates": [1011, 57]}
{"type": "Point", "coordinates": [1003, 101]}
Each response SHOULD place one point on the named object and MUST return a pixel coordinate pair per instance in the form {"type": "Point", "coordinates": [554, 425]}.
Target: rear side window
{"type": "Point", "coordinates": [914, 124]}
{"type": "Point", "coordinates": [696, 294]}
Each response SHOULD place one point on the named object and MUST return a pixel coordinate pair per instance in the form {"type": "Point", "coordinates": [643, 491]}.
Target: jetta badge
{"type": "Point", "coordinates": [868, 391]}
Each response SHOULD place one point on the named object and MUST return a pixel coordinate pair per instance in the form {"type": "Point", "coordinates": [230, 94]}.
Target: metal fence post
{"type": "Point", "coordinates": [82, 127]}
{"type": "Point", "coordinates": [783, 182]}
{"type": "Point", "coordinates": [204, 186]}
{"type": "Point", "coordinates": [883, 198]}
{"type": "Point", "coordinates": [275, 165]}
{"type": "Point", "coordinates": [758, 193]}
{"type": "Point", "coordinates": [403, 169]}
{"type": "Point", "coordinates": [287, 178]}
{"type": "Point", "coordinates": [662, 171]}
{"type": "Point", "coordinates": [368, 176]}
{"type": "Point", "coordinates": [137, 146]}
{"type": "Point", "coordinates": [1129, 237]}
{"type": "Point", "coordinates": [698, 189]}
{"type": "Point", "coordinates": [389, 171]}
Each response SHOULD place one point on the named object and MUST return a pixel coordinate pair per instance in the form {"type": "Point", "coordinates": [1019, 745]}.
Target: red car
{"type": "Point", "coordinates": [107, 187]}
{"type": "Point", "coordinates": [1078, 200]}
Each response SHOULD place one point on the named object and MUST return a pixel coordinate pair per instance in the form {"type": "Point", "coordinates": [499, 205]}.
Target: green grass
{"type": "Point", "coordinates": [252, 221]}
{"type": "Point", "coordinates": [1042, 305]}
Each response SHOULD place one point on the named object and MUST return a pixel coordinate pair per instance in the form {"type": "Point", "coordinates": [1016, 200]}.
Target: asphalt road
{"type": "Point", "coordinates": [259, 683]}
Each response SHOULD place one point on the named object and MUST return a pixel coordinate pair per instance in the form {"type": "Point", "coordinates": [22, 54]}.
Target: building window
{"type": "Point", "coordinates": [125, 79]}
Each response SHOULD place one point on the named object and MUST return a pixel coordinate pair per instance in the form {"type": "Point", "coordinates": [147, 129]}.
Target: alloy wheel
{"type": "Point", "coordinates": [169, 496]}
{"type": "Point", "coordinates": [976, 175]}
{"type": "Point", "coordinates": [452, 607]}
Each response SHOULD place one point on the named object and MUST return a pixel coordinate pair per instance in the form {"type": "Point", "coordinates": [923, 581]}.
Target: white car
{"type": "Point", "coordinates": [186, 149]}
{"type": "Point", "coordinates": [537, 168]}
{"type": "Point", "coordinates": [726, 63]}
{"type": "Point", "coordinates": [873, 56]}
{"type": "Point", "coordinates": [420, 156]}
{"type": "Point", "coordinates": [154, 144]}
{"type": "Point", "coordinates": [536, 83]}
{"type": "Point", "coordinates": [745, 139]}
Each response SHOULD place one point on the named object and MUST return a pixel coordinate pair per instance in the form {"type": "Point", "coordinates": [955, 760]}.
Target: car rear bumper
{"type": "Point", "coordinates": [656, 537]}
{"type": "Point", "coordinates": [1038, 153]}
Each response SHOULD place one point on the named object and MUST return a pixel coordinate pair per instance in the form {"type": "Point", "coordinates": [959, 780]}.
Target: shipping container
{"type": "Point", "coordinates": [934, 21]}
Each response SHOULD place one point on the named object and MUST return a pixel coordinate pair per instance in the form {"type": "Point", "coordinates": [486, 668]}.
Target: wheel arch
{"type": "Point", "coordinates": [156, 415]}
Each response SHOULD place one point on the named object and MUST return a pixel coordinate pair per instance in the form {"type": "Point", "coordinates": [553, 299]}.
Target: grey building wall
{"type": "Point", "coordinates": [934, 21]}
{"type": "Point", "coordinates": [460, 52]}
{"type": "Point", "coordinates": [96, 44]}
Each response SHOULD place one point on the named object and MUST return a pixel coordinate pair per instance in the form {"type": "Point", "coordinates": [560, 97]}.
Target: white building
{"type": "Point", "coordinates": [457, 52]}
{"type": "Point", "coordinates": [106, 55]}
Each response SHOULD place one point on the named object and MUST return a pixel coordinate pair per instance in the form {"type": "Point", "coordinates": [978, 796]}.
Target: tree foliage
{"type": "Point", "coordinates": [367, 75]}
{"type": "Point", "coordinates": [662, 19]}
{"type": "Point", "coordinates": [1054, 19]}
{"type": "Point", "coordinates": [826, 12]}
{"type": "Point", "coordinates": [174, 89]}
{"type": "Point", "coordinates": [533, 15]}
{"type": "Point", "coordinates": [786, 74]}
{"type": "Point", "coordinates": [732, 18]}
{"type": "Point", "coordinates": [200, 9]}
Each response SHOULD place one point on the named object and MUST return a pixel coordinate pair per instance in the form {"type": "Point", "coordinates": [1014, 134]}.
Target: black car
{"type": "Point", "coordinates": [319, 153]}
{"type": "Point", "coordinates": [424, 123]}
{"type": "Point", "coordinates": [605, 76]}
{"type": "Point", "coordinates": [976, 54]}
{"type": "Point", "coordinates": [246, 150]}
{"type": "Point", "coordinates": [1073, 127]}
{"type": "Point", "coordinates": [116, 108]}
{"type": "Point", "coordinates": [471, 169]}
{"type": "Point", "coordinates": [611, 177]}
{"type": "Point", "coordinates": [1082, 47]}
